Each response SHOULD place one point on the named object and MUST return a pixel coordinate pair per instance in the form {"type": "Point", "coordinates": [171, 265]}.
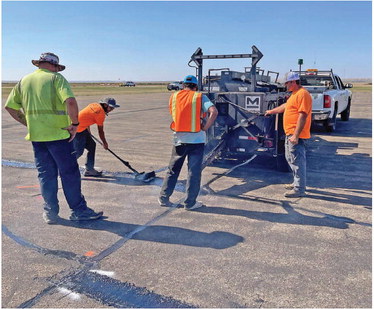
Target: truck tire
{"type": "Point", "coordinates": [345, 114]}
{"type": "Point", "coordinates": [330, 124]}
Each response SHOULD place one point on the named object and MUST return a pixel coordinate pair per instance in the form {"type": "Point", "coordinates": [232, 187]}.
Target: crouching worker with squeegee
{"type": "Point", "coordinates": [91, 114]}
{"type": "Point", "coordinates": [187, 108]}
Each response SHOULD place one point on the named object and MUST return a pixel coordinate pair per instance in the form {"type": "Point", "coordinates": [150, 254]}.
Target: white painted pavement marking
{"type": "Point", "coordinates": [67, 293]}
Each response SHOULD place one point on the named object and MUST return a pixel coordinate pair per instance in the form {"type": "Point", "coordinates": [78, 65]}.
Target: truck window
{"type": "Point", "coordinates": [316, 81]}
{"type": "Point", "coordinates": [341, 85]}
{"type": "Point", "coordinates": [337, 84]}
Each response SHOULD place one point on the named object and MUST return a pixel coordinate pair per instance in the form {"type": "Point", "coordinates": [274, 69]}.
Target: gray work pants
{"type": "Point", "coordinates": [296, 158]}
{"type": "Point", "coordinates": [194, 154]}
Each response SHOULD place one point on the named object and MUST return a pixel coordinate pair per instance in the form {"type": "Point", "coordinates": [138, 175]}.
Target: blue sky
{"type": "Point", "coordinates": [154, 40]}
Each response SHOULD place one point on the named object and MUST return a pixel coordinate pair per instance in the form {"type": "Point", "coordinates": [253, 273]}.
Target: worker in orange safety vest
{"type": "Point", "coordinates": [188, 109]}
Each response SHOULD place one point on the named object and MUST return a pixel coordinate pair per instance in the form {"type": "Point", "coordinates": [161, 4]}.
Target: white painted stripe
{"type": "Point", "coordinates": [103, 272]}
{"type": "Point", "coordinates": [72, 295]}
{"type": "Point", "coordinates": [17, 164]}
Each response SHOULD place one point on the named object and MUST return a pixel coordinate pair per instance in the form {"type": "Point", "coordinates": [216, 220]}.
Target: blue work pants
{"type": "Point", "coordinates": [58, 158]}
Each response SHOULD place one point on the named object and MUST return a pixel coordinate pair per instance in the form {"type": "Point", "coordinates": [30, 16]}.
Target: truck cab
{"type": "Point", "coordinates": [330, 97]}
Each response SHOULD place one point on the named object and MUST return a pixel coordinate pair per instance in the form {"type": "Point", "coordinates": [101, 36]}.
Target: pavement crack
{"type": "Point", "coordinates": [58, 253]}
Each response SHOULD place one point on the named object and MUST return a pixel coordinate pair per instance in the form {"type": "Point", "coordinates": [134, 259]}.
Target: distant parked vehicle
{"type": "Point", "coordinates": [128, 84]}
{"type": "Point", "coordinates": [175, 86]}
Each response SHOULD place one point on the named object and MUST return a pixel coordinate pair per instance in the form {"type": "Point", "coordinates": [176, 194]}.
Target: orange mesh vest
{"type": "Point", "coordinates": [185, 109]}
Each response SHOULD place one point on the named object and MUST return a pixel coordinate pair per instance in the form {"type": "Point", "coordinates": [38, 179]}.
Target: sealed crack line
{"type": "Point", "coordinates": [206, 186]}
{"type": "Point", "coordinates": [113, 247]}
{"type": "Point", "coordinates": [101, 288]}
{"type": "Point", "coordinates": [106, 290]}
{"type": "Point", "coordinates": [59, 253]}
{"type": "Point", "coordinates": [67, 274]}
{"type": "Point", "coordinates": [123, 240]}
{"type": "Point", "coordinates": [119, 294]}
{"type": "Point", "coordinates": [27, 165]}
{"type": "Point", "coordinates": [31, 302]}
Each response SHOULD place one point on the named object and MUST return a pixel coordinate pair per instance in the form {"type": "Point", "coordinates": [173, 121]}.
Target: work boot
{"type": "Point", "coordinates": [87, 214]}
{"type": "Point", "coordinates": [165, 202]}
{"type": "Point", "coordinates": [194, 206]}
{"type": "Point", "coordinates": [50, 218]}
{"type": "Point", "coordinates": [92, 173]}
{"type": "Point", "coordinates": [289, 186]}
{"type": "Point", "coordinates": [294, 193]}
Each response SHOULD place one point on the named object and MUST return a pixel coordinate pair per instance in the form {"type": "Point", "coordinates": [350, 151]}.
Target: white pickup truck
{"type": "Point", "coordinates": [330, 97]}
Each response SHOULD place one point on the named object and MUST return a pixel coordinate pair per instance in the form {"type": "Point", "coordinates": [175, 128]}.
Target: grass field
{"type": "Point", "coordinates": [361, 87]}
{"type": "Point", "coordinates": [102, 89]}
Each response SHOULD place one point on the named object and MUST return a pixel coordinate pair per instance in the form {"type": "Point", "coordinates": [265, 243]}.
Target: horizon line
{"type": "Point", "coordinates": [158, 81]}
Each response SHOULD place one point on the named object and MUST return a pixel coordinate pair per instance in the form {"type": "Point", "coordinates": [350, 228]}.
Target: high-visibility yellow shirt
{"type": "Point", "coordinates": [42, 95]}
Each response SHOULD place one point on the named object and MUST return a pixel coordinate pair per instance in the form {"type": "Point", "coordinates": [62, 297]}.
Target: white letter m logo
{"type": "Point", "coordinates": [252, 103]}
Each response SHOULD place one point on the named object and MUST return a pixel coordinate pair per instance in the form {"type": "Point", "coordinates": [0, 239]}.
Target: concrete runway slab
{"type": "Point", "coordinates": [249, 247]}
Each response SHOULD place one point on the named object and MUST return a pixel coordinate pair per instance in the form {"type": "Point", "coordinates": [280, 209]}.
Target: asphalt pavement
{"type": "Point", "coordinates": [249, 247]}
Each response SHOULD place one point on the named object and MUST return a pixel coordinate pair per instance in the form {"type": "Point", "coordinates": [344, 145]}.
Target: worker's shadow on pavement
{"type": "Point", "coordinates": [161, 233]}
{"type": "Point", "coordinates": [248, 183]}
{"type": "Point", "coordinates": [290, 217]}
{"type": "Point", "coordinates": [341, 198]}
{"type": "Point", "coordinates": [262, 179]}
{"type": "Point", "coordinates": [237, 191]}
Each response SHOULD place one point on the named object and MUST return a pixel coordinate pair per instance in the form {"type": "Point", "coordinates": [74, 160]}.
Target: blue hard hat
{"type": "Point", "coordinates": [190, 79]}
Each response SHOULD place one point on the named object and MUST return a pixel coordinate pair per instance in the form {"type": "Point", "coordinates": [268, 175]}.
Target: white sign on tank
{"type": "Point", "coordinates": [253, 103]}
